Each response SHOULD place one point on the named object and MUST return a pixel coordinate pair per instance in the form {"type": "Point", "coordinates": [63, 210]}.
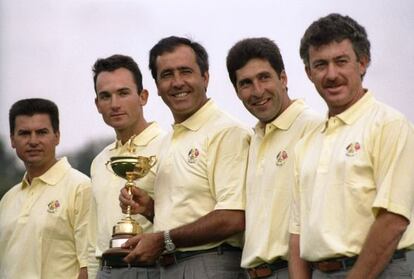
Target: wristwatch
{"type": "Point", "coordinates": [169, 245]}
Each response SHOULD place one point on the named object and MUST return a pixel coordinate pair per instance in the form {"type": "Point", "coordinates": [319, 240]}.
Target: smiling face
{"type": "Point", "coordinates": [261, 90]}
{"type": "Point", "coordinates": [118, 101]}
{"type": "Point", "coordinates": [337, 74]}
{"type": "Point", "coordinates": [180, 82]}
{"type": "Point", "coordinates": [35, 141]}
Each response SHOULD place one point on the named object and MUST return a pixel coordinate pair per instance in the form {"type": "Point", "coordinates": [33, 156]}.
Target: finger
{"type": "Point", "coordinates": [132, 242]}
{"type": "Point", "coordinates": [130, 257]}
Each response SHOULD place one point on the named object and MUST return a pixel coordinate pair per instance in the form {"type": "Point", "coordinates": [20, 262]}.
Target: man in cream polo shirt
{"type": "Point", "coordinates": [43, 219]}
{"type": "Point", "coordinates": [199, 188]}
{"type": "Point", "coordinates": [354, 196]}
{"type": "Point", "coordinates": [257, 72]}
{"type": "Point", "coordinates": [120, 98]}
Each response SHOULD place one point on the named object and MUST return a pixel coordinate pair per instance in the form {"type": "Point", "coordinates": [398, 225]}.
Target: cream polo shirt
{"type": "Point", "coordinates": [270, 179]}
{"type": "Point", "coordinates": [106, 186]}
{"type": "Point", "coordinates": [43, 225]}
{"type": "Point", "coordinates": [202, 168]}
{"type": "Point", "coordinates": [355, 163]}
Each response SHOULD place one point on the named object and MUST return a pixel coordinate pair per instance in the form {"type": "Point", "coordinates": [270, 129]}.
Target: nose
{"type": "Point", "coordinates": [258, 89]}
{"type": "Point", "coordinates": [114, 101]}
{"type": "Point", "coordinates": [33, 139]}
{"type": "Point", "coordinates": [177, 81]}
{"type": "Point", "coordinates": [332, 72]}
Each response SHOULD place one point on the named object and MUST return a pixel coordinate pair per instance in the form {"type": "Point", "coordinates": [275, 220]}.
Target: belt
{"type": "Point", "coordinates": [173, 258]}
{"type": "Point", "coordinates": [267, 269]}
{"type": "Point", "coordinates": [118, 262]}
{"type": "Point", "coordinates": [337, 264]}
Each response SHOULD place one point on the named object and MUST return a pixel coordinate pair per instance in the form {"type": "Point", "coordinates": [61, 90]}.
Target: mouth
{"type": "Point", "coordinates": [117, 114]}
{"type": "Point", "coordinates": [33, 151]}
{"type": "Point", "coordinates": [260, 102]}
{"type": "Point", "coordinates": [180, 94]}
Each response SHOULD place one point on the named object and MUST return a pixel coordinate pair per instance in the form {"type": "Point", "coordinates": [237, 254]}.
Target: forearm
{"type": "Point", "coordinates": [298, 268]}
{"type": "Point", "coordinates": [380, 244]}
{"type": "Point", "coordinates": [215, 226]}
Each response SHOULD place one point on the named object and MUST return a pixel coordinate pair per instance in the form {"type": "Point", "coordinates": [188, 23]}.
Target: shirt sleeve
{"type": "Point", "coordinates": [294, 223]}
{"type": "Point", "coordinates": [81, 218]}
{"type": "Point", "coordinates": [227, 164]}
{"type": "Point", "coordinates": [93, 263]}
{"type": "Point", "coordinates": [393, 172]}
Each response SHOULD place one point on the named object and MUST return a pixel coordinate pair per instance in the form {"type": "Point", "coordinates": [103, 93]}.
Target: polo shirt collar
{"type": "Point", "coordinates": [355, 112]}
{"type": "Point", "coordinates": [143, 139]}
{"type": "Point", "coordinates": [199, 118]}
{"type": "Point", "coordinates": [53, 175]}
{"type": "Point", "coordinates": [287, 118]}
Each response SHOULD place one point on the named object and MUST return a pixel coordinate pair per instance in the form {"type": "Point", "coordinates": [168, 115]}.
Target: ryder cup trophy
{"type": "Point", "coordinates": [129, 168]}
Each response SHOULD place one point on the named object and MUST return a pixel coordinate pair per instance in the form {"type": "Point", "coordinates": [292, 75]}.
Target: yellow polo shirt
{"type": "Point", "coordinates": [352, 165]}
{"type": "Point", "coordinates": [202, 168]}
{"type": "Point", "coordinates": [106, 187]}
{"type": "Point", "coordinates": [43, 225]}
{"type": "Point", "coordinates": [270, 179]}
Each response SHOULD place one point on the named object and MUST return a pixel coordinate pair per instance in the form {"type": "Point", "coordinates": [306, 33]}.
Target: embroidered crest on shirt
{"type": "Point", "coordinates": [53, 206]}
{"type": "Point", "coordinates": [352, 149]}
{"type": "Point", "coordinates": [193, 155]}
{"type": "Point", "coordinates": [281, 158]}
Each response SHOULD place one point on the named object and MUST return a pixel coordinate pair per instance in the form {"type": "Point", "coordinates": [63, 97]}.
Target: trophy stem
{"type": "Point", "coordinates": [130, 176]}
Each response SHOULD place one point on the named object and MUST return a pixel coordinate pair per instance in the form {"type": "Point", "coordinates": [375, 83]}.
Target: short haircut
{"type": "Point", "coordinates": [115, 62]}
{"type": "Point", "coordinates": [169, 44]}
{"type": "Point", "coordinates": [335, 27]}
{"type": "Point", "coordinates": [32, 106]}
{"type": "Point", "coordinates": [245, 50]}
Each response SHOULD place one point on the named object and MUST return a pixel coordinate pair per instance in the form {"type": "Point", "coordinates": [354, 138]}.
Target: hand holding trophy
{"type": "Point", "coordinates": [130, 168]}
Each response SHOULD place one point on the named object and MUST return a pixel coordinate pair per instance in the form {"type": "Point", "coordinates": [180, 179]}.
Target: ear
{"type": "Point", "coordinates": [308, 73]}
{"type": "Point", "coordinates": [13, 143]}
{"type": "Point", "coordinates": [97, 104]}
{"type": "Point", "coordinates": [283, 78]}
{"type": "Point", "coordinates": [57, 137]}
{"type": "Point", "coordinates": [363, 65]}
{"type": "Point", "coordinates": [206, 77]}
{"type": "Point", "coordinates": [143, 97]}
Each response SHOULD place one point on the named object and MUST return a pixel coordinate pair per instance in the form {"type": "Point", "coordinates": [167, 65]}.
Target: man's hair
{"type": "Point", "coordinates": [115, 62]}
{"type": "Point", "coordinates": [245, 50]}
{"type": "Point", "coordinates": [169, 44]}
{"type": "Point", "coordinates": [30, 107]}
{"type": "Point", "coordinates": [335, 27]}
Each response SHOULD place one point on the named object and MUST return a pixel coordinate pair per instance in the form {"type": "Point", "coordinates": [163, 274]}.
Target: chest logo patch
{"type": "Point", "coordinates": [53, 206]}
{"type": "Point", "coordinates": [281, 158]}
{"type": "Point", "coordinates": [352, 149]}
{"type": "Point", "coordinates": [193, 155]}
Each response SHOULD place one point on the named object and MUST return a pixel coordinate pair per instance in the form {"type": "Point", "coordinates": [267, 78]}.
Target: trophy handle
{"type": "Point", "coordinates": [107, 165]}
{"type": "Point", "coordinates": [152, 160]}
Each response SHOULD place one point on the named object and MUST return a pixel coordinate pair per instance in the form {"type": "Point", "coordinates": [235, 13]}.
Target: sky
{"type": "Point", "coordinates": [47, 49]}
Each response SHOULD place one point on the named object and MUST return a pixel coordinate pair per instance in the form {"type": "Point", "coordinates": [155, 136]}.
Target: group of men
{"type": "Point", "coordinates": [301, 197]}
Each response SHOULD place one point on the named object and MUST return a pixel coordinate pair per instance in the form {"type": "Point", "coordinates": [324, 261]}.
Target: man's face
{"type": "Point", "coordinates": [34, 140]}
{"type": "Point", "coordinates": [336, 73]}
{"type": "Point", "coordinates": [261, 90]}
{"type": "Point", "coordinates": [118, 100]}
{"type": "Point", "coordinates": [180, 82]}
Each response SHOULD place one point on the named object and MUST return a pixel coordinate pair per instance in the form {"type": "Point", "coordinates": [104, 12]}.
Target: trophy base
{"type": "Point", "coordinates": [114, 257]}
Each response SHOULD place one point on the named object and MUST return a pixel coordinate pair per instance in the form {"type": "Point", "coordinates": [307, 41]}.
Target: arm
{"type": "Point", "coordinates": [380, 244]}
{"type": "Point", "coordinates": [215, 226]}
{"type": "Point", "coordinates": [83, 273]}
{"type": "Point", "coordinates": [140, 202]}
{"type": "Point", "coordinates": [298, 268]}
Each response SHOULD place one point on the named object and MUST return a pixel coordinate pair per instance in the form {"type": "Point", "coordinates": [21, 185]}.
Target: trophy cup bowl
{"type": "Point", "coordinates": [129, 168]}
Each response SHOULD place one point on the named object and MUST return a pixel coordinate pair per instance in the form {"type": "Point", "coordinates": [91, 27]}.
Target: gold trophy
{"type": "Point", "coordinates": [129, 168]}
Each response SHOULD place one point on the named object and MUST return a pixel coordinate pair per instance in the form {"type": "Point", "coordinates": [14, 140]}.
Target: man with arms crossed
{"type": "Point", "coordinates": [354, 196]}
{"type": "Point", "coordinates": [120, 98]}
{"type": "Point", "coordinates": [43, 219]}
{"type": "Point", "coordinates": [199, 188]}
{"type": "Point", "coordinates": [257, 72]}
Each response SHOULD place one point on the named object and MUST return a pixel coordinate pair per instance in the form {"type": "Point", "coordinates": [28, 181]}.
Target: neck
{"type": "Point", "coordinates": [125, 135]}
{"type": "Point", "coordinates": [34, 171]}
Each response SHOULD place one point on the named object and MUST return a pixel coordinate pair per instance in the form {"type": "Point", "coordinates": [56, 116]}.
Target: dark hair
{"type": "Point", "coordinates": [115, 62]}
{"type": "Point", "coordinates": [30, 107]}
{"type": "Point", "coordinates": [169, 44]}
{"type": "Point", "coordinates": [245, 50]}
{"type": "Point", "coordinates": [335, 27]}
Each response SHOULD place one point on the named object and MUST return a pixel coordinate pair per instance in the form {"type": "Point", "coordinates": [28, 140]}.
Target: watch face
{"type": "Point", "coordinates": [169, 247]}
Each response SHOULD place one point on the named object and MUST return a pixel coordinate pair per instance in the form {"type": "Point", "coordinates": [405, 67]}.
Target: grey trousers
{"type": "Point", "coordinates": [397, 269]}
{"type": "Point", "coordinates": [129, 273]}
{"type": "Point", "coordinates": [280, 274]}
{"type": "Point", "coordinates": [210, 265]}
